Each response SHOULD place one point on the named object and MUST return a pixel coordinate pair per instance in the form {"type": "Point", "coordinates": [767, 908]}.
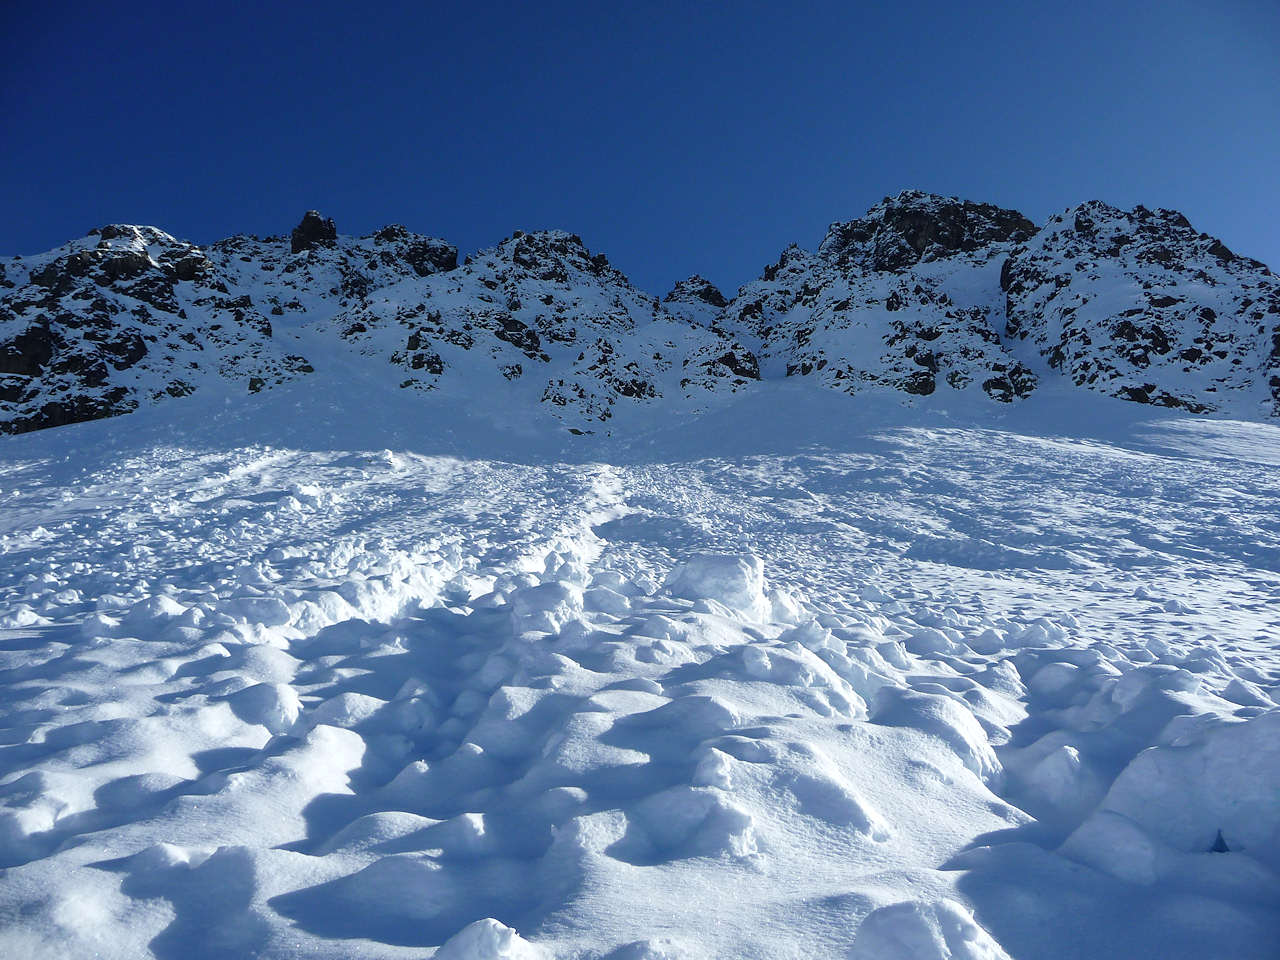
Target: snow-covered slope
{"type": "Point", "coordinates": [905, 298]}
{"type": "Point", "coordinates": [339, 669]}
{"type": "Point", "coordinates": [557, 323]}
{"type": "Point", "coordinates": [924, 294]}
{"type": "Point", "coordinates": [129, 315]}
{"type": "Point", "coordinates": [1141, 306]}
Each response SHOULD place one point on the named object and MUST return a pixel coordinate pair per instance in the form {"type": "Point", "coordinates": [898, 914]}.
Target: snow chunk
{"type": "Point", "coordinates": [914, 930]}
{"type": "Point", "coordinates": [268, 611]}
{"type": "Point", "coordinates": [274, 705]}
{"type": "Point", "coordinates": [546, 608]}
{"type": "Point", "coordinates": [945, 718]}
{"type": "Point", "coordinates": [1228, 779]}
{"type": "Point", "coordinates": [734, 580]}
{"type": "Point", "coordinates": [489, 940]}
{"type": "Point", "coordinates": [346, 710]}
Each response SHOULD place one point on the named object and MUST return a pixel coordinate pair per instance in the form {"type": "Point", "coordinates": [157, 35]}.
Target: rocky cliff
{"type": "Point", "coordinates": [923, 295]}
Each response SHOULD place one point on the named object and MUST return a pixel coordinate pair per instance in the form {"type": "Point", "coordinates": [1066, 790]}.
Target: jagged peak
{"type": "Point", "coordinates": [696, 289]}
{"type": "Point", "coordinates": [1094, 220]}
{"type": "Point", "coordinates": [551, 255]}
{"type": "Point", "coordinates": [555, 241]}
{"type": "Point", "coordinates": [313, 231]}
{"type": "Point", "coordinates": [917, 226]}
{"type": "Point", "coordinates": [126, 234]}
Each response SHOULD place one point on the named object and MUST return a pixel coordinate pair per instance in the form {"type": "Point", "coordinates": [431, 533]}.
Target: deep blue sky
{"type": "Point", "coordinates": [675, 138]}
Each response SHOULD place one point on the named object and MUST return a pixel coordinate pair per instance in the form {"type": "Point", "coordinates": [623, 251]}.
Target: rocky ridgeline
{"type": "Point", "coordinates": [129, 315]}
{"type": "Point", "coordinates": [924, 293]}
{"type": "Point", "coordinates": [543, 313]}
{"type": "Point", "coordinates": [906, 297]}
{"type": "Point", "coordinates": [1140, 305]}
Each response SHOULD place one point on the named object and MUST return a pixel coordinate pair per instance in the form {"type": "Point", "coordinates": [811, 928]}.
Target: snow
{"type": "Point", "coordinates": [340, 670]}
{"type": "Point", "coordinates": [925, 931]}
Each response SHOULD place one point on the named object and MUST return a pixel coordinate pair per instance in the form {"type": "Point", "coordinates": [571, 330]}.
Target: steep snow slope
{"type": "Point", "coordinates": [337, 669]}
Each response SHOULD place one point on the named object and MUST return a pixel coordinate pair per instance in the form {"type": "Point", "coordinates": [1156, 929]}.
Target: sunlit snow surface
{"type": "Point", "coordinates": [332, 673]}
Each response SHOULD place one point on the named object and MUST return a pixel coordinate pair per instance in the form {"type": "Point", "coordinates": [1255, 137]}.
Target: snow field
{"type": "Point", "coordinates": [868, 701]}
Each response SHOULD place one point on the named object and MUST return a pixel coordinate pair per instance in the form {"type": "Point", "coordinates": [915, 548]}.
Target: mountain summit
{"type": "Point", "coordinates": [922, 295]}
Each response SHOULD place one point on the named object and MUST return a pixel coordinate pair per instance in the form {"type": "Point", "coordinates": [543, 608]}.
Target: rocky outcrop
{"type": "Point", "coordinates": [696, 289]}
{"type": "Point", "coordinates": [559, 324]}
{"type": "Point", "coordinates": [1139, 305]}
{"type": "Point", "coordinates": [314, 231]}
{"type": "Point", "coordinates": [695, 300]}
{"type": "Point", "coordinates": [916, 227]}
{"type": "Point", "coordinates": [130, 315]}
{"type": "Point", "coordinates": [905, 298]}
{"type": "Point", "coordinates": [127, 315]}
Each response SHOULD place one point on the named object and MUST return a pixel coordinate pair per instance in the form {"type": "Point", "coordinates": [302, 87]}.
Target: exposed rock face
{"type": "Point", "coordinates": [923, 295]}
{"type": "Point", "coordinates": [1139, 305]}
{"type": "Point", "coordinates": [915, 226]}
{"type": "Point", "coordinates": [130, 315]}
{"type": "Point", "coordinates": [314, 231]}
{"type": "Point", "coordinates": [554, 320]}
{"type": "Point", "coordinates": [697, 289]}
{"type": "Point", "coordinates": [125, 315]}
{"type": "Point", "coordinates": [425, 255]}
{"type": "Point", "coordinates": [906, 297]}
{"type": "Point", "coordinates": [695, 300]}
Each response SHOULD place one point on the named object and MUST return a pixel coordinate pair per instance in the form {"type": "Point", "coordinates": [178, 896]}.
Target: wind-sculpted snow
{"type": "Point", "coordinates": [288, 678]}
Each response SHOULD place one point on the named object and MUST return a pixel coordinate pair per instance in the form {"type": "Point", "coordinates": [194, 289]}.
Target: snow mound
{"type": "Point", "coordinates": [915, 930]}
{"type": "Point", "coordinates": [1180, 795]}
{"type": "Point", "coordinates": [489, 940]}
{"type": "Point", "coordinates": [735, 581]}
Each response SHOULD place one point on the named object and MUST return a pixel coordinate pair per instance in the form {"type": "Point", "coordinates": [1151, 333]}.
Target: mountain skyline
{"type": "Point", "coordinates": [923, 293]}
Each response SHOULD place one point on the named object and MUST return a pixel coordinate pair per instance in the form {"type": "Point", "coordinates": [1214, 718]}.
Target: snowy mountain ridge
{"type": "Point", "coordinates": [924, 293]}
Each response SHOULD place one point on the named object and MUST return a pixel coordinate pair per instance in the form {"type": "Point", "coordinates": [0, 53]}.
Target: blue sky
{"type": "Point", "coordinates": [674, 138]}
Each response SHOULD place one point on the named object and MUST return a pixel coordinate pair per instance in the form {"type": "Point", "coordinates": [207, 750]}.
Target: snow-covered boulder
{"type": "Point", "coordinates": [1179, 796]}
{"type": "Point", "coordinates": [489, 940]}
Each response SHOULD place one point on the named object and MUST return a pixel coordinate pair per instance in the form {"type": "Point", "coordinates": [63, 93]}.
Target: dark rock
{"type": "Point", "coordinates": [1114, 300]}
{"type": "Point", "coordinates": [425, 255]}
{"type": "Point", "coordinates": [696, 289]}
{"type": "Point", "coordinates": [518, 334]}
{"type": "Point", "coordinates": [314, 231]}
{"type": "Point", "coordinates": [194, 266]}
{"type": "Point", "coordinates": [745, 365]}
{"type": "Point", "coordinates": [916, 226]}
{"type": "Point", "coordinates": [29, 352]}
